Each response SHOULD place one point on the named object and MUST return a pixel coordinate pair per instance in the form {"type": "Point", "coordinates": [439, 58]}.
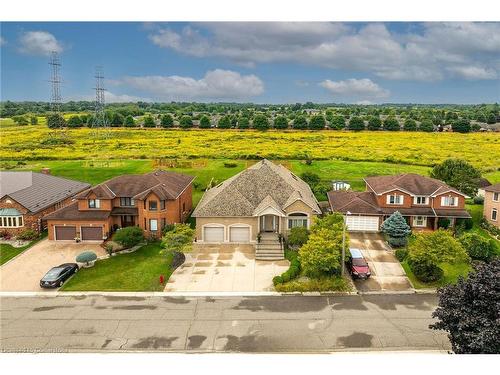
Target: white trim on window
{"type": "Point", "coordinates": [495, 197]}
{"type": "Point", "coordinates": [419, 221]}
{"type": "Point", "coordinates": [494, 214]}
{"type": "Point", "coordinates": [11, 222]}
{"type": "Point", "coordinates": [395, 199]}
{"type": "Point", "coordinates": [420, 200]}
{"type": "Point", "coordinates": [153, 225]}
{"type": "Point", "coordinates": [297, 219]}
{"type": "Point", "coordinates": [449, 201]}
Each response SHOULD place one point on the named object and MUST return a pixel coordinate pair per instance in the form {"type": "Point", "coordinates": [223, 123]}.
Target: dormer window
{"type": "Point", "coordinates": [395, 199]}
{"type": "Point", "coordinates": [94, 203]}
{"type": "Point", "coordinates": [420, 199]}
{"type": "Point", "coordinates": [127, 202]}
{"type": "Point", "coordinates": [449, 201]}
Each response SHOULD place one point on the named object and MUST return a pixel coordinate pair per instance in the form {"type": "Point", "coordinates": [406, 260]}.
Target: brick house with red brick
{"type": "Point", "coordinates": [421, 200]}
{"type": "Point", "coordinates": [26, 197]}
{"type": "Point", "coordinates": [149, 201]}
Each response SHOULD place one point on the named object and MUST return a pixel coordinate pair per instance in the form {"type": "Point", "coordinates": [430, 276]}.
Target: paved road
{"type": "Point", "coordinates": [223, 324]}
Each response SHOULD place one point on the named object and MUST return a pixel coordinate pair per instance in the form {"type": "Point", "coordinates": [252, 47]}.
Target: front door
{"type": "Point", "coordinates": [269, 223]}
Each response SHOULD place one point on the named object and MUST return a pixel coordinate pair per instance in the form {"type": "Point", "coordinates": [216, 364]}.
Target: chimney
{"type": "Point", "coordinates": [45, 170]}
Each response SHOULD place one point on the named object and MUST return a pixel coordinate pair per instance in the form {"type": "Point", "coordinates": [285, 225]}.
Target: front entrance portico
{"type": "Point", "coordinates": [269, 223]}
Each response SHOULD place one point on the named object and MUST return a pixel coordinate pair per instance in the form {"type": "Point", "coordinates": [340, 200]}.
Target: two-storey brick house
{"type": "Point", "coordinates": [492, 204]}
{"type": "Point", "coordinates": [148, 201]}
{"type": "Point", "coordinates": [421, 200]}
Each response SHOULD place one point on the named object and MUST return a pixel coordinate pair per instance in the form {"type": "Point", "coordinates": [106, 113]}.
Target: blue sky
{"type": "Point", "coordinates": [257, 62]}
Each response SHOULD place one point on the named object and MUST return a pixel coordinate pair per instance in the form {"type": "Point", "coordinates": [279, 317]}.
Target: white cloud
{"type": "Point", "coordinates": [474, 72]}
{"type": "Point", "coordinates": [437, 51]}
{"type": "Point", "coordinates": [216, 84]}
{"type": "Point", "coordinates": [358, 88]}
{"type": "Point", "coordinates": [39, 43]}
{"type": "Point", "coordinates": [123, 98]}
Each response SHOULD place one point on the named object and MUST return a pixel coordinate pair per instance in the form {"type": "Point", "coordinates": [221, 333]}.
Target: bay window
{"type": "Point", "coordinates": [11, 221]}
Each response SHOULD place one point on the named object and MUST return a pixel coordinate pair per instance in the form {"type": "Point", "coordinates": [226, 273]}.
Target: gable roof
{"type": "Point", "coordinates": [166, 185]}
{"type": "Point", "coordinates": [493, 188]}
{"type": "Point", "coordinates": [37, 191]}
{"type": "Point", "coordinates": [353, 201]}
{"type": "Point", "coordinates": [264, 183]}
{"type": "Point", "coordinates": [411, 183]}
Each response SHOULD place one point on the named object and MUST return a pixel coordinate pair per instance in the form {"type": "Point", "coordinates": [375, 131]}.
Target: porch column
{"type": "Point", "coordinates": [436, 223]}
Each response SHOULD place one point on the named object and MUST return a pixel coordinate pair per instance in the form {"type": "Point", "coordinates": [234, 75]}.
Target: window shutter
{"type": "Point", "coordinates": [97, 203]}
{"type": "Point", "coordinates": [388, 199]}
{"type": "Point", "coordinates": [443, 201]}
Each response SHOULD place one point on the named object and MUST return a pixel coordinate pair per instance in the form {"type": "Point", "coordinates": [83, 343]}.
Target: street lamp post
{"type": "Point", "coordinates": [343, 241]}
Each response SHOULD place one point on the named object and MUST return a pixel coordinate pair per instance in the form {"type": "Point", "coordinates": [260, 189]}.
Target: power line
{"type": "Point", "coordinates": [99, 122]}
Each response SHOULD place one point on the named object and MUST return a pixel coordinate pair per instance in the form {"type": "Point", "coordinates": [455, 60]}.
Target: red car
{"type": "Point", "coordinates": [358, 267]}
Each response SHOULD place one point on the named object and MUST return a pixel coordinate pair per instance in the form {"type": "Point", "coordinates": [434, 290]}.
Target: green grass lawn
{"type": "Point", "coordinates": [135, 272]}
{"type": "Point", "coordinates": [451, 274]}
{"type": "Point", "coordinates": [476, 211]}
{"type": "Point", "coordinates": [7, 252]}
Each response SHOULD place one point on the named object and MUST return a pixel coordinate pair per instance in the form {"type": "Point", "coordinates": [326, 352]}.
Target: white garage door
{"type": "Point", "coordinates": [363, 223]}
{"type": "Point", "coordinates": [213, 234]}
{"type": "Point", "coordinates": [239, 234]}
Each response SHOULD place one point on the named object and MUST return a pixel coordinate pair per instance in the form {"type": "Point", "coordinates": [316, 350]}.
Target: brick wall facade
{"type": "Point", "coordinates": [489, 205]}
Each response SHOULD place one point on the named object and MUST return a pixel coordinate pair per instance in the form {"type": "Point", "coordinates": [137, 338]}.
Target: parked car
{"type": "Point", "coordinates": [56, 276]}
{"type": "Point", "coordinates": [357, 265]}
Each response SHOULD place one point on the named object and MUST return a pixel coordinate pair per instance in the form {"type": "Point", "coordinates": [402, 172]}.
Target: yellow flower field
{"type": "Point", "coordinates": [27, 143]}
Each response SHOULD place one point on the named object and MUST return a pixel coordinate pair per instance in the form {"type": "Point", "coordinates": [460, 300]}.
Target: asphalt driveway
{"type": "Point", "coordinates": [24, 272]}
{"type": "Point", "coordinates": [225, 268]}
{"type": "Point", "coordinates": [386, 271]}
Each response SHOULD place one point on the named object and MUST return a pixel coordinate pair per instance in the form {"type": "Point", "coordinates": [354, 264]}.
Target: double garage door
{"type": "Point", "coordinates": [68, 233]}
{"type": "Point", "coordinates": [216, 234]}
{"type": "Point", "coordinates": [363, 223]}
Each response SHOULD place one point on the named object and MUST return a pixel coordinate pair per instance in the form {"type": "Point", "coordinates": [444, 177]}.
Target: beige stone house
{"type": "Point", "coordinates": [491, 210]}
{"type": "Point", "coordinates": [255, 206]}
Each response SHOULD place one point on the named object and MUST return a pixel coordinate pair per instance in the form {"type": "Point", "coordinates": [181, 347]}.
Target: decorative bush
{"type": "Point", "coordinates": [444, 223]}
{"type": "Point", "coordinates": [87, 257]}
{"type": "Point", "coordinates": [277, 280]}
{"type": "Point", "coordinates": [466, 223]}
{"type": "Point", "coordinates": [129, 236]}
{"type": "Point", "coordinates": [401, 254]}
{"type": "Point", "coordinates": [477, 247]}
{"type": "Point", "coordinates": [27, 235]}
{"type": "Point", "coordinates": [297, 237]}
{"type": "Point", "coordinates": [478, 200]}
{"type": "Point", "coordinates": [179, 239]}
{"type": "Point", "coordinates": [426, 272]}
{"type": "Point", "coordinates": [397, 230]}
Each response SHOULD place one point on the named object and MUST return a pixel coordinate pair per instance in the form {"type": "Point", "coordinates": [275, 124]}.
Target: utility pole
{"type": "Point", "coordinates": [99, 122]}
{"type": "Point", "coordinates": [55, 98]}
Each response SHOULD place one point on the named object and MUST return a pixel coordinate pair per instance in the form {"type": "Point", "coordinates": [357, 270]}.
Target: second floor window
{"type": "Point", "coordinates": [127, 202]}
{"type": "Point", "coordinates": [394, 199]}
{"type": "Point", "coordinates": [153, 205]}
{"type": "Point", "coordinates": [162, 205]}
{"type": "Point", "coordinates": [495, 196]}
{"type": "Point", "coordinates": [94, 203]}
{"type": "Point", "coordinates": [420, 199]}
{"type": "Point", "coordinates": [449, 201]}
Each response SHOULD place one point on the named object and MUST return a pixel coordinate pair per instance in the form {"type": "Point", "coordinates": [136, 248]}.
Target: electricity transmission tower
{"type": "Point", "coordinates": [55, 99]}
{"type": "Point", "coordinates": [99, 122]}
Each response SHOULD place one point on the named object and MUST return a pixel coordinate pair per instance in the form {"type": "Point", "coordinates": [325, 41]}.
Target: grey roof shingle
{"type": "Point", "coordinates": [37, 191]}
{"type": "Point", "coordinates": [243, 193]}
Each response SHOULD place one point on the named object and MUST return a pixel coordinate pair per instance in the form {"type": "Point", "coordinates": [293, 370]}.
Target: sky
{"type": "Point", "coordinates": [260, 62]}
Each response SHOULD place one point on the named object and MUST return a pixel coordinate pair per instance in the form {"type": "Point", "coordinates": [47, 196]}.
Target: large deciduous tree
{"type": "Point", "coordinates": [149, 122]}
{"type": "Point", "coordinates": [458, 174]}
{"type": "Point", "coordinates": [224, 122]}
{"type": "Point", "coordinates": [461, 126]}
{"type": "Point", "coordinates": [392, 124]}
{"type": "Point", "coordinates": [167, 121]}
{"type": "Point", "coordinates": [186, 122]}
{"type": "Point", "coordinates": [317, 122]}
{"type": "Point", "coordinates": [426, 126]}
{"type": "Point", "coordinates": [374, 123]}
{"type": "Point", "coordinates": [470, 311]}
{"type": "Point", "coordinates": [260, 122]}
{"type": "Point", "coordinates": [280, 122]}
{"type": "Point", "coordinates": [356, 123]}
{"type": "Point", "coordinates": [300, 122]}
{"type": "Point", "coordinates": [337, 122]}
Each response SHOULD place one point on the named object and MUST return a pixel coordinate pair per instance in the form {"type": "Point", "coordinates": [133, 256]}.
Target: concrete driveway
{"type": "Point", "coordinates": [24, 272]}
{"type": "Point", "coordinates": [386, 271]}
{"type": "Point", "coordinates": [225, 268]}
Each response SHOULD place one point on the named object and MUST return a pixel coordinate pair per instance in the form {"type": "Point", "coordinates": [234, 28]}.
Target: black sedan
{"type": "Point", "coordinates": [56, 276]}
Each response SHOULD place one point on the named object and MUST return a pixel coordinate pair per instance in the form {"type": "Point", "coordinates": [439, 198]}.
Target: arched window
{"type": "Point", "coordinates": [297, 219]}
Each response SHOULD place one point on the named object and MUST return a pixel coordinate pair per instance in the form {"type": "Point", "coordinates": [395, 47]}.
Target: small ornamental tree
{"type": "Point", "coordinates": [129, 236]}
{"type": "Point", "coordinates": [224, 122]}
{"type": "Point", "coordinates": [461, 126]}
{"type": "Point", "coordinates": [478, 247]}
{"type": "Point", "coordinates": [356, 123]}
{"type": "Point", "coordinates": [297, 237]}
{"type": "Point", "coordinates": [149, 122]}
{"type": "Point", "coordinates": [458, 174]}
{"type": "Point", "coordinates": [167, 121]}
{"type": "Point", "coordinates": [205, 122]}
{"type": "Point", "coordinates": [428, 250]}
{"type": "Point", "coordinates": [280, 122]}
{"type": "Point", "coordinates": [179, 239]}
{"type": "Point", "coordinates": [87, 257]}
{"type": "Point", "coordinates": [469, 311]}
{"type": "Point", "coordinates": [337, 122]}
{"type": "Point", "coordinates": [243, 122]}
{"type": "Point", "coordinates": [374, 123]}
{"type": "Point", "coordinates": [317, 122]}
{"type": "Point", "coordinates": [300, 122]}
{"type": "Point", "coordinates": [397, 229]}
{"type": "Point", "coordinates": [391, 124]}
{"type": "Point", "coordinates": [129, 121]}
{"type": "Point", "coordinates": [426, 126]}
{"type": "Point", "coordinates": [260, 122]}
{"type": "Point", "coordinates": [410, 125]}
{"type": "Point", "coordinates": [186, 122]}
